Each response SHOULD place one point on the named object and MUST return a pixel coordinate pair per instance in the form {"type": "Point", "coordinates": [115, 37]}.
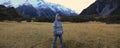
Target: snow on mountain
{"type": "Point", "coordinates": [42, 9]}
{"type": "Point", "coordinates": [7, 3]}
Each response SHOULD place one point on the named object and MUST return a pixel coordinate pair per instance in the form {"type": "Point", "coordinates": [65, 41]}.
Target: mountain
{"type": "Point", "coordinates": [9, 13]}
{"type": "Point", "coordinates": [45, 9]}
{"type": "Point", "coordinates": [103, 8]}
{"type": "Point", "coordinates": [27, 9]}
{"type": "Point", "coordinates": [7, 3]}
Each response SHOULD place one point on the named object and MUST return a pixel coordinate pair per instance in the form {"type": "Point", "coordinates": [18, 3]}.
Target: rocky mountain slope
{"type": "Point", "coordinates": [103, 8]}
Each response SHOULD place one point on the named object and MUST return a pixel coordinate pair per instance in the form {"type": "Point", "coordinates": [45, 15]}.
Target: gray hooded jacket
{"type": "Point", "coordinates": [57, 26]}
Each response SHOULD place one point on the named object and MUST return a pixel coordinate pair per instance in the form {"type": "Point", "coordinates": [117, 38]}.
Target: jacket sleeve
{"type": "Point", "coordinates": [62, 28]}
{"type": "Point", "coordinates": [54, 27]}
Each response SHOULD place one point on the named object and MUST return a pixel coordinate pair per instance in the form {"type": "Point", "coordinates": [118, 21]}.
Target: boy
{"type": "Point", "coordinates": [58, 30]}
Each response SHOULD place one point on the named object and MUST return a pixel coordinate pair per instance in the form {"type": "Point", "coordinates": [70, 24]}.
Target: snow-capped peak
{"type": "Point", "coordinates": [26, 3]}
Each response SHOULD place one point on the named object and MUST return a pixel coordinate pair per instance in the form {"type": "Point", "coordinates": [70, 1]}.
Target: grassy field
{"type": "Point", "coordinates": [76, 35]}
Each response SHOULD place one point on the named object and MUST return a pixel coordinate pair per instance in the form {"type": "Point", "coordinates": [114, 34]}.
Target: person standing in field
{"type": "Point", "coordinates": [58, 31]}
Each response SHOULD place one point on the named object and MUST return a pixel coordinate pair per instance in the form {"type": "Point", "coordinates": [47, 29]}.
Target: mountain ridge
{"type": "Point", "coordinates": [103, 8]}
{"type": "Point", "coordinates": [46, 9]}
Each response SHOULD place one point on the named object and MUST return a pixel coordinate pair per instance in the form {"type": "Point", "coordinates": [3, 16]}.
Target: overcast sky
{"type": "Point", "coordinates": [77, 5]}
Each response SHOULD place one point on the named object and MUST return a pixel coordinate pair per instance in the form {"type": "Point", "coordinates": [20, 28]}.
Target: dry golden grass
{"type": "Point", "coordinates": [76, 35]}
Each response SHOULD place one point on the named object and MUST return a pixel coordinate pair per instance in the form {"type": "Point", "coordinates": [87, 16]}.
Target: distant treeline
{"type": "Point", "coordinates": [82, 18]}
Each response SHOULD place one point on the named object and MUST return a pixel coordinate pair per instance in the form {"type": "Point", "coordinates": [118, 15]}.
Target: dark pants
{"type": "Point", "coordinates": [55, 40]}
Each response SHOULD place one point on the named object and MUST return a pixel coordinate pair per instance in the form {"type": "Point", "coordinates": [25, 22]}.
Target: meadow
{"type": "Point", "coordinates": [76, 35]}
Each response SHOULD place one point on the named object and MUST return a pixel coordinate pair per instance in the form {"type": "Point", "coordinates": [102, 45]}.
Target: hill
{"type": "Point", "coordinates": [9, 13]}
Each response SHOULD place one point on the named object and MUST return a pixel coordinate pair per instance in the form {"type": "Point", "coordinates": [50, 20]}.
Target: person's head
{"type": "Point", "coordinates": [58, 17]}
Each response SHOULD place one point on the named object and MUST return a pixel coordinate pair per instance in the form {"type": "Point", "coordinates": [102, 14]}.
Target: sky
{"type": "Point", "coordinates": [77, 5]}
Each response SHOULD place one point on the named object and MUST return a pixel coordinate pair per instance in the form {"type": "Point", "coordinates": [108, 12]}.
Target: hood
{"type": "Point", "coordinates": [56, 17]}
